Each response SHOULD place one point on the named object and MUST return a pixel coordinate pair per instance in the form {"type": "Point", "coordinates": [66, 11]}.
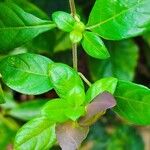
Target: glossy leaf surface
{"type": "Point", "coordinates": [116, 20]}
{"type": "Point", "coordinates": [59, 111]}
{"type": "Point", "coordinates": [37, 134]}
{"type": "Point", "coordinates": [26, 73]}
{"type": "Point", "coordinates": [133, 102]}
{"type": "Point", "coordinates": [100, 86]}
{"type": "Point", "coordinates": [18, 27]}
{"type": "Point", "coordinates": [94, 46]}
{"type": "Point", "coordinates": [67, 83]}
{"type": "Point", "coordinates": [64, 21]}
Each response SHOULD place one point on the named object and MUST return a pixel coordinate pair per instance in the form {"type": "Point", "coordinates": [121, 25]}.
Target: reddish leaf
{"type": "Point", "coordinates": [70, 135]}
{"type": "Point", "coordinates": [97, 108]}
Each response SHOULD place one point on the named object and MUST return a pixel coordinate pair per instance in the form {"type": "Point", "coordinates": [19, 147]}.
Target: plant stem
{"type": "Point", "coordinates": [75, 57]}
{"type": "Point", "coordinates": [85, 79]}
{"type": "Point", "coordinates": [72, 7]}
{"type": "Point", "coordinates": [74, 45]}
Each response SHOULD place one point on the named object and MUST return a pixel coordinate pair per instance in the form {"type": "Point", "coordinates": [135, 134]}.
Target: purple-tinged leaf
{"type": "Point", "coordinates": [70, 135]}
{"type": "Point", "coordinates": [97, 108]}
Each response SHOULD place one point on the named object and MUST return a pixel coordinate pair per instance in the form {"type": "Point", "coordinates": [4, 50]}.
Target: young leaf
{"type": "Point", "coordinates": [116, 20]}
{"type": "Point", "coordinates": [26, 73]}
{"type": "Point", "coordinates": [75, 36]}
{"type": "Point", "coordinates": [103, 85]}
{"type": "Point", "coordinates": [121, 52]}
{"type": "Point", "coordinates": [133, 102]}
{"type": "Point", "coordinates": [59, 111]}
{"type": "Point", "coordinates": [67, 83]}
{"type": "Point", "coordinates": [94, 46]}
{"type": "Point", "coordinates": [2, 100]}
{"type": "Point", "coordinates": [97, 108]}
{"type": "Point", "coordinates": [18, 27]}
{"type": "Point", "coordinates": [38, 134]}
{"type": "Point", "coordinates": [70, 135]}
{"type": "Point", "coordinates": [64, 21]}
{"type": "Point", "coordinates": [27, 110]}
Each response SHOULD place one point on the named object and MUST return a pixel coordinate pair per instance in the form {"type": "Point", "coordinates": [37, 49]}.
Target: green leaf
{"type": "Point", "coordinates": [43, 43]}
{"type": "Point", "coordinates": [30, 8]}
{"type": "Point", "coordinates": [94, 46]}
{"type": "Point", "coordinates": [59, 111]}
{"type": "Point", "coordinates": [100, 86]}
{"type": "Point", "coordinates": [27, 110]}
{"type": "Point", "coordinates": [2, 99]}
{"type": "Point", "coordinates": [133, 102]}
{"type": "Point", "coordinates": [8, 130]}
{"type": "Point", "coordinates": [10, 102]}
{"type": "Point", "coordinates": [64, 21]}
{"type": "Point", "coordinates": [75, 36]}
{"type": "Point", "coordinates": [146, 37]}
{"type": "Point", "coordinates": [26, 73]}
{"type": "Point", "coordinates": [38, 134]}
{"type": "Point", "coordinates": [71, 135]}
{"type": "Point", "coordinates": [67, 84]}
{"type": "Point", "coordinates": [121, 52]}
{"type": "Point", "coordinates": [63, 42]}
{"type": "Point", "coordinates": [18, 27]}
{"type": "Point", "coordinates": [116, 20]}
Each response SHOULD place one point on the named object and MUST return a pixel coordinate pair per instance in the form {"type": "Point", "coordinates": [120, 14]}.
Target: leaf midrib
{"type": "Point", "coordinates": [97, 49]}
{"type": "Point", "coordinates": [36, 135]}
{"type": "Point", "coordinates": [29, 72]}
{"type": "Point", "coordinates": [28, 27]}
{"type": "Point", "coordinates": [113, 17]}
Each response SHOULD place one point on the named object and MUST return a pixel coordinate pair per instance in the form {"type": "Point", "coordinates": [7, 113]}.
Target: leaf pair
{"type": "Point", "coordinates": [91, 42]}
{"type": "Point", "coordinates": [71, 134]}
{"type": "Point", "coordinates": [98, 99]}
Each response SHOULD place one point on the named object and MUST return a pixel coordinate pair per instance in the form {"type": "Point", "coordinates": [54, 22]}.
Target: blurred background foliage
{"type": "Point", "coordinates": [130, 60]}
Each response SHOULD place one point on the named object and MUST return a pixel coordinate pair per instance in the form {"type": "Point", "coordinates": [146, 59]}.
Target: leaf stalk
{"type": "Point", "coordinates": [74, 45]}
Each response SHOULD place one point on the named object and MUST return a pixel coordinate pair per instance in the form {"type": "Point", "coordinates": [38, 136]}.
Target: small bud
{"type": "Point", "coordinates": [75, 36]}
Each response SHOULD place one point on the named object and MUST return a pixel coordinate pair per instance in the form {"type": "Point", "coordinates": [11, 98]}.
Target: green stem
{"type": "Point", "coordinates": [72, 7]}
{"type": "Point", "coordinates": [75, 57]}
{"type": "Point", "coordinates": [85, 79]}
{"type": "Point", "coordinates": [74, 45]}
